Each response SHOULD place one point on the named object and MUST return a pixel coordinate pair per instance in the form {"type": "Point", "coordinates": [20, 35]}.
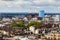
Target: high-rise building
{"type": "Point", "coordinates": [41, 13]}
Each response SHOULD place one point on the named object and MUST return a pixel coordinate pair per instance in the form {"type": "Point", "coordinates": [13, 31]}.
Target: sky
{"type": "Point", "coordinates": [50, 6]}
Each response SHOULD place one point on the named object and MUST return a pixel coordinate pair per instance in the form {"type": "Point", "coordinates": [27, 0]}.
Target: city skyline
{"type": "Point", "coordinates": [50, 6]}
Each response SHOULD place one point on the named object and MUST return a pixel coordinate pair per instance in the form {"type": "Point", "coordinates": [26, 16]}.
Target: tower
{"type": "Point", "coordinates": [41, 14]}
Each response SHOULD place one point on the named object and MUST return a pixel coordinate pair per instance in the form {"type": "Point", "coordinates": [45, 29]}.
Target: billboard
{"type": "Point", "coordinates": [41, 13]}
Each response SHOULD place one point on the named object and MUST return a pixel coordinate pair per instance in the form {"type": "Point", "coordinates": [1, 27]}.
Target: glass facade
{"type": "Point", "coordinates": [41, 13]}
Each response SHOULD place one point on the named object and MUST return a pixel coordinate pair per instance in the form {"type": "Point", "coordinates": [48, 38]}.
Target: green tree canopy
{"type": "Point", "coordinates": [35, 23]}
{"type": "Point", "coordinates": [13, 24]}
{"type": "Point", "coordinates": [19, 24]}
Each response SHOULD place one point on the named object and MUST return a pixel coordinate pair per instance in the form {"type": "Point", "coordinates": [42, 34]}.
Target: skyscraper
{"type": "Point", "coordinates": [41, 13]}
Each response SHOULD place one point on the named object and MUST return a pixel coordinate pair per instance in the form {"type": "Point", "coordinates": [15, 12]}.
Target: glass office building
{"type": "Point", "coordinates": [41, 13]}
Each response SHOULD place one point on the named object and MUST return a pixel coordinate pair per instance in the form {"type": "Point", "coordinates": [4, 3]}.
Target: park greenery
{"type": "Point", "coordinates": [37, 24]}
{"type": "Point", "coordinates": [22, 24]}
{"type": "Point", "coordinates": [19, 24]}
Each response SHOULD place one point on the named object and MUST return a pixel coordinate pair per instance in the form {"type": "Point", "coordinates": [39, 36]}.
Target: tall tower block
{"type": "Point", "coordinates": [41, 13]}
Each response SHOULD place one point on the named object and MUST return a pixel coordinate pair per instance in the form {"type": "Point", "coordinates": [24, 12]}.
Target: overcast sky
{"type": "Point", "coordinates": [30, 6]}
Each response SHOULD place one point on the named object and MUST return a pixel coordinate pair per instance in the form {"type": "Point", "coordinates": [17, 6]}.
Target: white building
{"type": "Point", "coordinates": [32, 29]}
{"type": "Point", "coordinates": [52, 17]}
{"type": "Point", "coordinates": [46, 18]}
{"type": "Point", "coordinates": [34, 19]}
{"type": "Point", "coordinates": [56, 18]}
{"type": "Point", "coordinates": [1, 25]}
{"type": "Point", "coordinates": [15, 18]}
{"type": "Point", "coordinates": [37, 31]}
{"type": "Point", "coordinates": [25, 19]}
{"type": "Point", "coordinates": [6, 19]}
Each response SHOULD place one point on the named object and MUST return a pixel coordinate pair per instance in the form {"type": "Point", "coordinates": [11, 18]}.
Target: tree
{"type": "Point", "coordinates": [19, 24]}
{"type": "Point", "coordinates": [13, 24]}
{"type": "Point", "coordinates": [34, 23]}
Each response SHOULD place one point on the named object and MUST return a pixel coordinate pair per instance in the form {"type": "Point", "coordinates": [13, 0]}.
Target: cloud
{"type": "Point", "coordinates": [29, 5]}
